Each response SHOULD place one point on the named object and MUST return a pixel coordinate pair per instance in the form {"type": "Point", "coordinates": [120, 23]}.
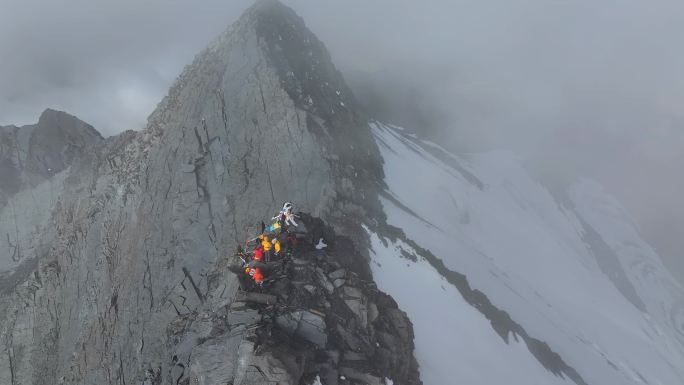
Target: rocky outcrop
{"type": "Point", "coordinates": [318, 315]}
{"type": "Point", "coordinates": [31, 154]}
{"type": "Point", "coordinates": [135, 226]}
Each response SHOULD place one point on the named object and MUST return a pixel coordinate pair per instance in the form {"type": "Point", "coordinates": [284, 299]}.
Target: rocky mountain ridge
{"type": "Point", "coordinates": [125, 239]}
{"type": "Point", "coordinates": [32, 154]}
{"type": "Point", "coordinates": [318, 315]}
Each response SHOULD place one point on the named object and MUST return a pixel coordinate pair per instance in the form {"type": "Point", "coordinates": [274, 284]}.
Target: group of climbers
{"type": "Point", "coordinates": [270, 244]}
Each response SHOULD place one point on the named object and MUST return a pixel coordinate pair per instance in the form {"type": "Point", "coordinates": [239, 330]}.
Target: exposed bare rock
{"type": "Point", "coordinates": [302, 333]}
{"type": "Point", "coordinates": [112, 283]}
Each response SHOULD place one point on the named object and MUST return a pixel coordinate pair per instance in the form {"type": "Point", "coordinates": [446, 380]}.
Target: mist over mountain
{"type": "Point", "coordinates": [636, 158]}
{"type": "Point", "coordinates": [412, 258]}
{"type": "Point", "coordinates": [592, 88]}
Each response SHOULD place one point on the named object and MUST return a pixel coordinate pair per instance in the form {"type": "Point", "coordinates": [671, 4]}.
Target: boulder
{"type": "Point", "coordinates": [373, 312]}
{"type": "Point", "coordinates": [337, 274]}
{"type": "Point", "coordinates": [359, 310]}
{"type": "Point", "coordinates": [352, 292]}
{"type": "Point", "coordinates": [307, 325]}
{"type": "Point", "coordinates": [247, 317]}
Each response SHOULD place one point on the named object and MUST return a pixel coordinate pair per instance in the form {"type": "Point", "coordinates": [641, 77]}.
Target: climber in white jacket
{"type": "Point", "coordinates": [286, 217]}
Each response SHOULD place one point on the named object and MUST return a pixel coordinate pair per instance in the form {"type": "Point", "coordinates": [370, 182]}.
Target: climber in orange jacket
{"type": "Point", "coordinates": [256, 275]}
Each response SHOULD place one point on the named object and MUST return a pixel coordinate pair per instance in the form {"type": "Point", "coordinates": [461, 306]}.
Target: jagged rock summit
{"type": "Point", "coordinates": [31, 154]}
{"type": "Point", "coordinates": [268, 84]}
{"type": "Point", "coordinates": [133, 228]}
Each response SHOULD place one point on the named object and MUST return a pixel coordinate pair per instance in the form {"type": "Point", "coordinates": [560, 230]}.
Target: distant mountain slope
{"type": "Point", "coordinates": [572, 274]}
{"type": "Point", "coordinates": [33, 162]}
{"type": "Point", "coordinates": [31, 154]}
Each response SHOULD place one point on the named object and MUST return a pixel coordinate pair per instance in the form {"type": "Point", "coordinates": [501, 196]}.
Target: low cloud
{"type": "Point", "coordinates": [584, 87]}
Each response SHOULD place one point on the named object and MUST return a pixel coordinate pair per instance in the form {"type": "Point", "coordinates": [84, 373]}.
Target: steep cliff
{"type": "Point", "coordinates": [260, 117]}
{"type": "Point", "coordinates": [318, 315]}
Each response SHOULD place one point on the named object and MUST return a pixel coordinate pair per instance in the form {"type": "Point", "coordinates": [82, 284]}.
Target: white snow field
{"type": "Point", "coordinates": [573, 272]}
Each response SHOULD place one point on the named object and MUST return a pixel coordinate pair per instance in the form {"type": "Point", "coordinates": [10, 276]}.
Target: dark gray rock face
{"type": "Point", "coordinates": [132, 229]}
{"type": "Point", "coordinates": [34, 160]}
{"type": "Point", "coordinates": [31, 154]}
{"type": "Point", "coordinates": [295, 327]}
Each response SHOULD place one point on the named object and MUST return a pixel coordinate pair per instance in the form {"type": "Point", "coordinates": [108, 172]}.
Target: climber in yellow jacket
{"type": "Point", "coordinates": [267, 245]}
{"type": "Point", "coordinates": [276, 247]}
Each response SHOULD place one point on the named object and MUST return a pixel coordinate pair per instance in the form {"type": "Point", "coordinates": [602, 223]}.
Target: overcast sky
{"type": "Point", "coordinates": [591, 87]}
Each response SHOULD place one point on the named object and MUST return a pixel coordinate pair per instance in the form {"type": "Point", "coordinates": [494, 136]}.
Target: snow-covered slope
{"type": "Point", "coordinates": [507, 283]}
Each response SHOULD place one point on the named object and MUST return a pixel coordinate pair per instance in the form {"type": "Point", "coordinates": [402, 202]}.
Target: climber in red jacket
{"type": "Point", "coordinates": [258, 253]}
